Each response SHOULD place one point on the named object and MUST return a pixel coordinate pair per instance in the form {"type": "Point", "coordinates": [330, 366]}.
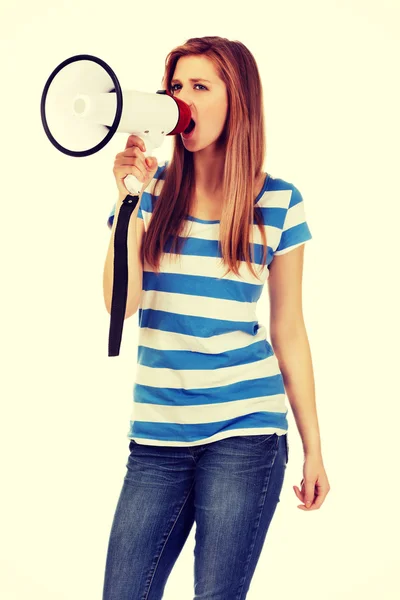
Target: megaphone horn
{"type": "Point", "coordinates": [82, 106]}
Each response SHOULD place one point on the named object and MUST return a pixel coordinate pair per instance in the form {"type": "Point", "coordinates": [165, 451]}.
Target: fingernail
{"type": "Point", "coordinates": [308, 503]}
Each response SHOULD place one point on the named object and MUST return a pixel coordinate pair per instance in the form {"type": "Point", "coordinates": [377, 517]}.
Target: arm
{"type": "Point", "coordinates": [290, 343]}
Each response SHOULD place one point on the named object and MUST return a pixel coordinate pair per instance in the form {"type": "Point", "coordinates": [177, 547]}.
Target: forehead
{"type": "Point", "coordinates": [195, 66]}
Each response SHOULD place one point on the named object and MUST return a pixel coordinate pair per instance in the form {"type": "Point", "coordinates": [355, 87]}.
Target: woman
{"type": "Point", "coordinates": [208, 435]}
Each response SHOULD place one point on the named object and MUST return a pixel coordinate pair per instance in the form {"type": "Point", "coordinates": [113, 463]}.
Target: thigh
{"type": "Point", "coordinates": [152, 521]}
{"type": "Point", "coordinates": [237, 489]}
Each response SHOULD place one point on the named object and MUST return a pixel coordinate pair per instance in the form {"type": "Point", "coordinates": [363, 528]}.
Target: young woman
{"type": "Point", "coordinates": [208, 435]}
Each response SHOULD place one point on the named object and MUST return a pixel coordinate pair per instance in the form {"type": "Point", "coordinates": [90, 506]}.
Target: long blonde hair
{"type": "Point", "coordinates": [244, 140]}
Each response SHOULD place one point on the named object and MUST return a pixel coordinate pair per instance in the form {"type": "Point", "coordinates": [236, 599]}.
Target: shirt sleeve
{"type": "Point", "coordinates": [295, 231]}
{"type": "Point", "coordinates": [111, 216]}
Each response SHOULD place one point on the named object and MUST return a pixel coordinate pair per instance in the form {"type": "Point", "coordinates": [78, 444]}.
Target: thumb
{"type": "Point", "coordinates": [309, 495]}
{"type": "Point", "coordinates": [151, 162]}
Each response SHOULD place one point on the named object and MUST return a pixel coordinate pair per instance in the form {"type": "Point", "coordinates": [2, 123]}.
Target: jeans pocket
{"type": "Point", "coordinates": [259, 439]}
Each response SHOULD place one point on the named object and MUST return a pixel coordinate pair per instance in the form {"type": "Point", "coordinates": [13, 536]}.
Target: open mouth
{"type": "Point", "coordinates": [190, 127]}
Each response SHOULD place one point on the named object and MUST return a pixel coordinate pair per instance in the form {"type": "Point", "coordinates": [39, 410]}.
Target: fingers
{"type": "Point", "coordinates": [139, 173]}
{"type": "Point", "coordinates": [302, 496]}
{"type": "Point", "coordinates": [319, 496]}
{"type": "Point", "coordinates": [133, 161]}
{"type": "Point", "coordinates": [135, 140]}
{"type": "Point", "coordinates": [135, 147]}
{"type": "Point", "coordinates": [134, 158]}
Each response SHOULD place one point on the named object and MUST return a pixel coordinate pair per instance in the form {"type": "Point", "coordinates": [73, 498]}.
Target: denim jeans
{"type": "Point", "coordinates": [230, 488]}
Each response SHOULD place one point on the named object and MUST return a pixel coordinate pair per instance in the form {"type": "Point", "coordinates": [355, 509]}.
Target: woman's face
{"type": "Point", "coordinates": [208, 100]}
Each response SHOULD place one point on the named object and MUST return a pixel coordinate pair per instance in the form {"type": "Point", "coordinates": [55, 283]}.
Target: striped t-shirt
{"type": "Point", "coordinates": [205, 370]}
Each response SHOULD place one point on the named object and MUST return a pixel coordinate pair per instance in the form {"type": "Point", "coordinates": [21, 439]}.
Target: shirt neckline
{"type": "Point", "coordinates": [263, 189]}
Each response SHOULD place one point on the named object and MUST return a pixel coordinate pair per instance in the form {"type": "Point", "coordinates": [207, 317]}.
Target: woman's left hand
{"type": "Point", "coordinates": [315, 485]}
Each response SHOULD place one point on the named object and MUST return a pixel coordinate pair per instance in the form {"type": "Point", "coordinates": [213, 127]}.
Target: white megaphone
{"type": "Point", "coordinates": [82, 106]}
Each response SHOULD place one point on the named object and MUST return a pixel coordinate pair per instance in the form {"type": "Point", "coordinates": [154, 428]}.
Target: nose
{"type": "Point", "coordinates": [184, 96]}
{"type": "Point", "coordinates": [189, 103]}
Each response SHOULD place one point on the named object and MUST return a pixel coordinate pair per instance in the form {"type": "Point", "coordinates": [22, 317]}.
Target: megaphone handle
{"type": "Point", "coordinates": [133, 185]}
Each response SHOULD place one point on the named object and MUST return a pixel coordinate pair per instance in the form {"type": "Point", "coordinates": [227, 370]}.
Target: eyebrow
{"type": "Point", "coordinates": [192, 80]}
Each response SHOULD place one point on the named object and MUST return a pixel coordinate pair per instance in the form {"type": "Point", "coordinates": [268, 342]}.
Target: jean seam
{"type": "Point", "coordinates": [162, 550]}
{"type": "Point", "coordinates": [239, 596]}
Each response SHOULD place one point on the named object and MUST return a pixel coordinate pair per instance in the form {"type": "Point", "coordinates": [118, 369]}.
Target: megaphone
{"type": "Point", "coordinates": [82, 107]}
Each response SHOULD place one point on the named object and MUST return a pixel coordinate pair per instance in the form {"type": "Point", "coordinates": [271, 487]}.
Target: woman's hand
{"type": "Point", "coordinates": [315, 485]}
{"type": "Point", "coordinates": [132, 161]}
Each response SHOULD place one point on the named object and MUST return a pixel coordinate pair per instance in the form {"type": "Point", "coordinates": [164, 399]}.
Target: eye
{"type": "Point", "coordinates": [172, 88]}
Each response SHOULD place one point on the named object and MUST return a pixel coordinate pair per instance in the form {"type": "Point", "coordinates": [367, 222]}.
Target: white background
{"type": "Point", "coordinates": [330, 72]}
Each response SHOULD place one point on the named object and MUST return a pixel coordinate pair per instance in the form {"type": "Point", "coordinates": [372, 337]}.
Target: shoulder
{"type": "Point", "coordinates": [277, 196]}
{"type": "Point", "coordinates": [293, 224]}
{"type": "Point", "coordinates": [284, 216]}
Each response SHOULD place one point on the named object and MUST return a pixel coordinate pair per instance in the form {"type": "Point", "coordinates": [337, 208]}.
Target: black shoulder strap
{"type": "Point", "coordinates": [120, 279]}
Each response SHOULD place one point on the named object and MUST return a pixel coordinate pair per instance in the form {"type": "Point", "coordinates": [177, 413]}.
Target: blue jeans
{"type": "Point", "coordinates": [230, 487]}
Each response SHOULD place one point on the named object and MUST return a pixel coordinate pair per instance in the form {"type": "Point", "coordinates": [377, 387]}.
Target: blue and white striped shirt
{"type": "Point", "coordinates": [205, 369]}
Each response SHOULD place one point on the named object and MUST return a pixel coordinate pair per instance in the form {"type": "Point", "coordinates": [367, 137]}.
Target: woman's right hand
{"type": "Point", "coordinates": [132, 161]}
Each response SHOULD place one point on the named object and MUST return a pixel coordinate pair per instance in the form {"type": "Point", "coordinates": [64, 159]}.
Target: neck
{"type": "Point", "coordinates": [209, 170]}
